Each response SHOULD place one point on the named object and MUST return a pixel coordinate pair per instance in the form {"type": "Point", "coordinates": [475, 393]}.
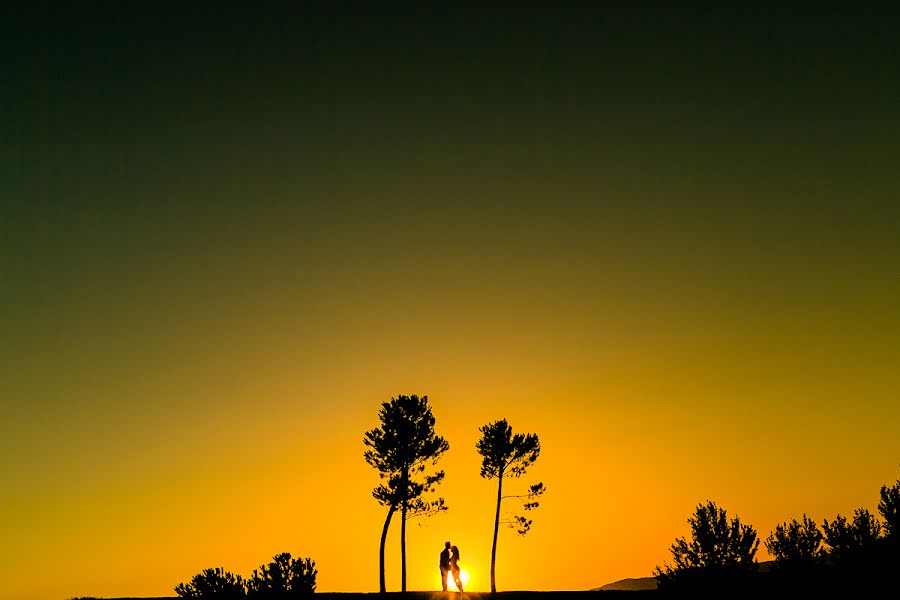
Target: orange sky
{"type": "Point", "coordinates": [664, 242]}
{"type": "Point", "coordinates": [244, 443]}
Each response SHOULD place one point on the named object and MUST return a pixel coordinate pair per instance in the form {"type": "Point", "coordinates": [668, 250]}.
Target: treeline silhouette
{"type": "Point", "coordinates": [284, 577]}
{"type": "Point", "coordinates": [853, 555]}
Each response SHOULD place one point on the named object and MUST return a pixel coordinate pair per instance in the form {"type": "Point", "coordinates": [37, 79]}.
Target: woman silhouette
{"type": "Point", "coordinates": [454, 567]}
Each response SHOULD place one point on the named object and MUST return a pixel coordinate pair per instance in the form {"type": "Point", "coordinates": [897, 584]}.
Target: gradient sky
{"type": "Point", "coordinates": [664, 238]}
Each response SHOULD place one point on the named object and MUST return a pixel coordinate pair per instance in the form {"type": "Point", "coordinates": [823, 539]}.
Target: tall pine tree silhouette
{"type": "Point", "coordinates": [504, 454]}
{"type": "Point", "coordinates": [401, 449]}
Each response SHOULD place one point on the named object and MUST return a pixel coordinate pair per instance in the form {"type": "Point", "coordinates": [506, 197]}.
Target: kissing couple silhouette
{"type": "Point", "coordinates": [449, 563]}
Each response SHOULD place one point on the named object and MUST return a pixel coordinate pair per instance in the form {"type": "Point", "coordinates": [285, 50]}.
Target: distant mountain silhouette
{"type": "Point", "coordinates": [631, 584]}
{"type": "Point", "coordinates": [766, 566]}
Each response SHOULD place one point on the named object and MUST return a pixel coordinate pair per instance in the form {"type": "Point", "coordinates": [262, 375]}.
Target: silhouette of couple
{"type": "Point", "coordinates": [450, 563]}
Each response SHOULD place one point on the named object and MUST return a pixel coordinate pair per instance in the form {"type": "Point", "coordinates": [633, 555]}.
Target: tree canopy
{"type": "Point", "coordinates": [504, 454]}
{"type": "Point", "coordinates": [889, 509]}
{"type": "Point", "coordinates": [795, 544]}
{"type": "Point", "coordinates": [719, 551]}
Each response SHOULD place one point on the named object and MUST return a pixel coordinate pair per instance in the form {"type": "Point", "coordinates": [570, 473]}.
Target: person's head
{"type": "Point", "coordinates": [454, 549]}
{"type": "Point", "coordinates": [447, 545]}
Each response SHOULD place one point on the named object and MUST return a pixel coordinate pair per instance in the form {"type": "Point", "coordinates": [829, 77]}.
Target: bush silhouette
{"type": "Point", "coordinates": [796, 544]}
{"type": "Point", "coordinates": [284, 577]}
{"type": "Point", "coordinates": [889, 509]}
{"type": "Point", "coordinates": [860, 556]}
{"type": "Point", "coordinates": [720, 554]}
{"type": "Point", "coordinates": [850, 539]}
{"type": "Point", "coordinates": [213, 583]}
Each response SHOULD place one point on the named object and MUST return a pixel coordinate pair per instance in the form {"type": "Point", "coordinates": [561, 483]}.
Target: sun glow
{"type": "Point", "coordinates": [464, 578]}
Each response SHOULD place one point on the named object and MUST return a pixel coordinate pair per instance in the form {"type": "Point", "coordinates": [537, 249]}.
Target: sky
{"type": "Point", "coordinates": [663, 237]}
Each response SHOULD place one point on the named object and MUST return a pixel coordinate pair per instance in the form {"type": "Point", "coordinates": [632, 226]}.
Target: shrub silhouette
{"type": "Point", "coordinates": [796, 544]}
{"type": "Point", "coordinates": [799, 557]}
{"type": "Point", "coordinates": [889, 508]}
{"type": "Point", "coordinates": [284, 577]}
{"type": "Point", "coordinates": [720, 553]}
{"type": "Point", "coordinates": [860, 556]}
{"type": "Point", "coordinates": [851, 539]}
{"type": "Point", "coordinates": [213, 583]}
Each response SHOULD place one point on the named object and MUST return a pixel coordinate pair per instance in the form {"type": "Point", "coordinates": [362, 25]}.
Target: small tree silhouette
{"type": "Point", "coordinates": [213, 583]}
{"type": "Point", "coordinates": [889, 508]}
{"type": "Point", "coordinates": [856, 553]}
{"type": "Point", "coordinates": [719, 550]}
{"type": "Point", "coordinates": [796, 545]}
{"type": "Point", "coordinates": [850, 539]}
{"type": "Point", "coordinates": [504, 454]}
{"type": "Point", "coordinates": [284, 577]}
{"type": "Point", "coordinates": [400, 450]}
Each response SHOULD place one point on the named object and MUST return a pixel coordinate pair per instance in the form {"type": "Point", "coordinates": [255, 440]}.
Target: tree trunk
{"type": "Point", "coordinates": [496, 529]}
{"type": "Point", "coordinates": [403, 532]}
{"type": "Point", "coordinates": [384, 532]}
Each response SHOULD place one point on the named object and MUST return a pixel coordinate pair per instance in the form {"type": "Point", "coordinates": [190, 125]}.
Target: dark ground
{"type": "Point", "coordinates": [586, 595]}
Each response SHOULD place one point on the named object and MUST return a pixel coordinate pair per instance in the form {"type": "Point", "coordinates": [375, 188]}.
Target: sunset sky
{"type": "Point", "coordinates": [665, 238]}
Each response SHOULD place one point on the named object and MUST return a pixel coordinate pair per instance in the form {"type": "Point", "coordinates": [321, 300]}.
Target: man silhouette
{"type": "Point", "coordinates": [445, 564]}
